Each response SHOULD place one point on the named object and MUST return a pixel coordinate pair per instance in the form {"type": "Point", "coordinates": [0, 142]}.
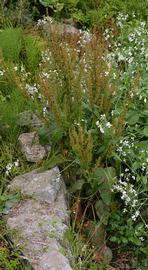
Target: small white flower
{"type": "Point", "coordinates": [141, 238]}
{"type": "Point", "coordinates": [7, 172]}
{"type": "Point", "coordinates": [102, 116]}
{"type": "Point", "coordinates": [45, 111]}
{"type": "Point", "coordinates": [97, 123]}
{"type": "Point", "coordinates": [108, 125]}
{"type": "Point", "coordinates": [1, 72]}
{"type": "Point", "coordinates": [101, 129]}
{"type": "Point", "coordinates": [137, 213]}
{"type": "Point", "coordinates": [16, 163]}
{"type": "Point", "coordinates": [9, 166]}
{"type": "Point", "coordinates": [45, 75]}
{"type": "Point", "coordinates": [39, 96]}
{"type": "Point", "coordinates": [140, 97]}
{"type": "Point", "coordinates": [106, 73]}
{"type": "Point", "coordinates": [22, 68]}
{"type": "Point", "coordinates": [42, 22]}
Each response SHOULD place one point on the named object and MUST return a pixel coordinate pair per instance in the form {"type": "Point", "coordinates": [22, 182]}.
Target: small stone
{"type": "Point", "coordinates": [27, 118]}
{"type": "Point", "coordinates": [30, 147]}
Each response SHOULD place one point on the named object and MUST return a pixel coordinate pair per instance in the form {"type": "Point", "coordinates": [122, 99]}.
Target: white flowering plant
{"type": "Point", "coordinates": [128, 53]}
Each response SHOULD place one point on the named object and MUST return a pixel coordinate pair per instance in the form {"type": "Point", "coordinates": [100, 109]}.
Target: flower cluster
{"type": "Point", "coordinates": [128, 194]}
{"type": "Point", "coordinates": [46, 56]}
{"type": "Point", "coordinates": [124, 147]}
{"type": "Point", "coordinates": [103, 124]}
{"type": "Point", "coordinates": [31, 89]}
{"type": "Point", "coordinates": [41, 22]}
{"type": "Point", "coordinates": [121, 19]}
{"type": "Point", "coordinates": [10, 166]}
{"type": "Point", "coordinates": [129, 51]}
{"type": "Point", "coordinates": [85, 37]}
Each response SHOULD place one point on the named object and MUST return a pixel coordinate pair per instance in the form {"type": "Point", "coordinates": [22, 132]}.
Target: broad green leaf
{"type": "Point", "coordinates": [102, 212]}
{"type": "Point", "coordinates": [133, 119]}
{"type": "Point", "coordinates": [106, 174]}
{"type": "Point", "coordinates": [105, 193]}
{"type": "Point", "coordinates": [145, 131]}
{"type": "Point", "coordinates": [44, 136]}
{"type": "Point", "coordinates": [106, 178]}
{"type": "Point", "coordinates": [145, 180]}
{"type": "Point", "coordinates": [137, 241]}
{"type": "Point", "coordinates": [143, 145]}
{"type": "Point", "coordinates": [78, 185]}
{"type": "Point", "coordinates": [113, 239]}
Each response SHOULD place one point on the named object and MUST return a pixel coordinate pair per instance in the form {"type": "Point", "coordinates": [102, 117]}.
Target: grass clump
{"type": "Point", "coordinates": [32, 52]}
{"type": "Point", "coordinates": [9, 111]}
{"type": "Point", "coordinates": [10, 43]}
{"type": "Point", "coordinates": [21, 48]}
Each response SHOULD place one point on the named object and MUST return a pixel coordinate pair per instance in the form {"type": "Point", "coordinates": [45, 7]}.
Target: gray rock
{"type": "Point", "coordinates": [39, 222]}
{"type": "Point", "coordinates": [44, 185]}
{"type": "Point", "coordinates": [27, 118]}
{"type": "Point", "coordinates": [63, 28]}
{"type": "Point", "coordinates": [30, 147]}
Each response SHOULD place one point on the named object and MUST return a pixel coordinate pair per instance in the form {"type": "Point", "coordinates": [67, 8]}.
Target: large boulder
{"type": "Point", "coordinates": [38, 222]}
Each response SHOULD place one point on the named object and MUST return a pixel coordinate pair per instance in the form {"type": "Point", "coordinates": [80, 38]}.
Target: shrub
{"type": "Point", "coordinates": [77, 82]}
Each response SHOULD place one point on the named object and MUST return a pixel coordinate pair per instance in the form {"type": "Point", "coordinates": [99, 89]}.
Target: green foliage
{"type": "Point", "coordinates": [18, 12]}
{"type": "Point", "coordinates": [96, 13]}
{"type": "Point", "coordinates": [9, 110]}
{"type": "Point", "coordinates": [10, 43]}
{"type": "Point", "coordinates": [125, 232]}
{"type": "Point", "coordinates": [20, 48]}
{"type": "Point", "coordinates": [88, 13]}
{"type": "Point", "coordinates": [32, 51]}
{"type": "Point", "coordinates": [103, 179]}
{"type": "Point", "coordinates": [12, 260]}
